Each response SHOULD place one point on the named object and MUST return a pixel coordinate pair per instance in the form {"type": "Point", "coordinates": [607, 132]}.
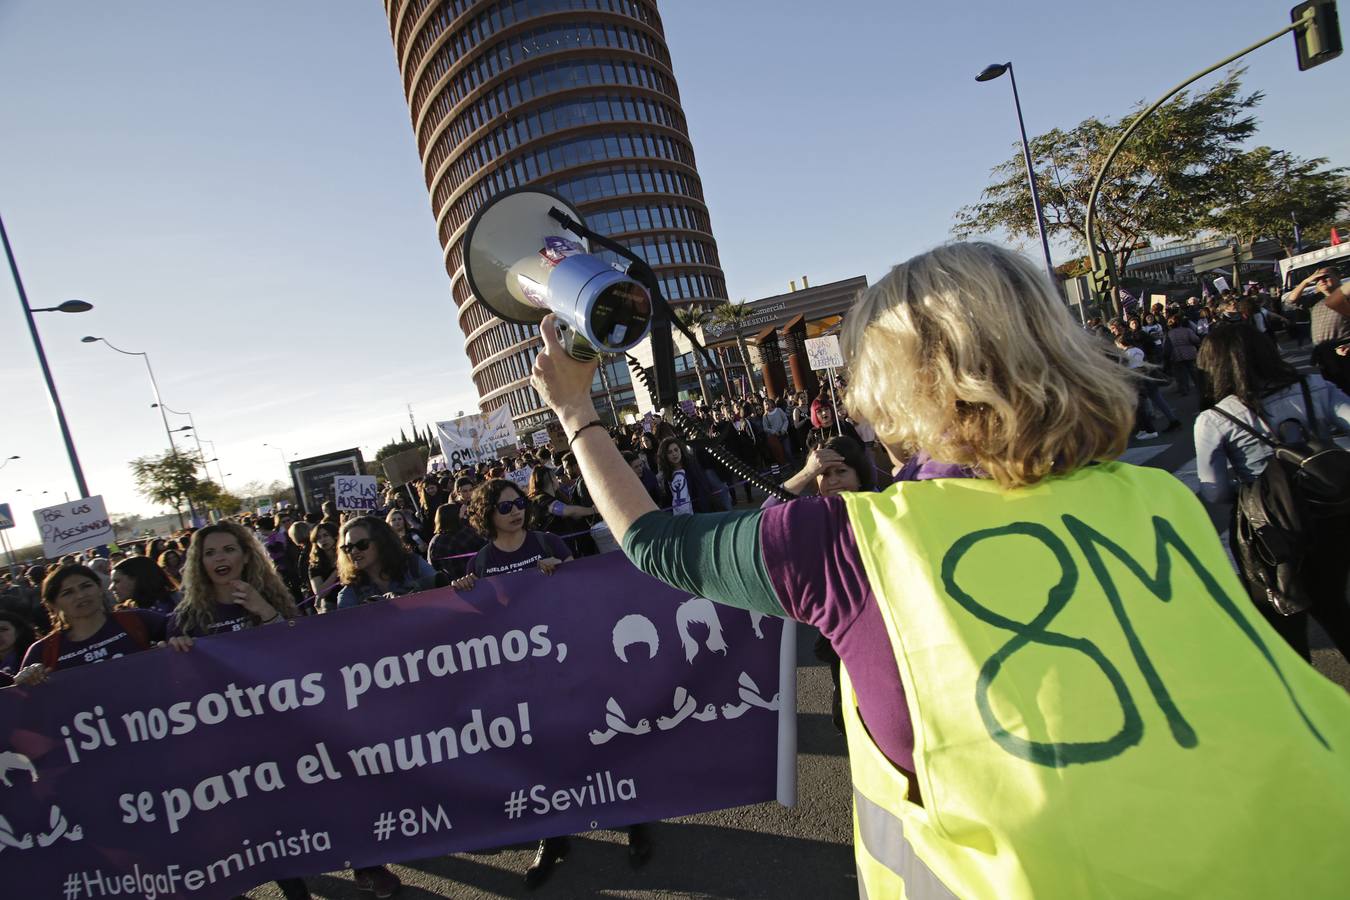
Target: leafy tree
{"type": "Point", "coordinates": [171, 479]}
{"type": "Point", "coordinates": [693, 317]}
{"type": "Point", "coordinates": [1166, 182]}
{"type": "Point", "coordinates": [735, 317]}
{"type": "Point", "coordinates": [1269, 190]}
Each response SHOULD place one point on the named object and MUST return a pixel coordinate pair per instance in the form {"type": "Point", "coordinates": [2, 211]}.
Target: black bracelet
{"type": "Point", "coordinates": [576, 434]}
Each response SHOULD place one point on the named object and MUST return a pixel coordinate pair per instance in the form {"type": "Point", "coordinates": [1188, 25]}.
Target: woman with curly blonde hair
{"type": "Point", "coordinates": [229, 583]}
{"type": "Point", "coordinates": [1054, 684]}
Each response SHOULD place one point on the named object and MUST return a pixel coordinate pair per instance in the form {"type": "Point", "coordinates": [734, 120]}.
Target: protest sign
{"type": "Point", "coordinates": [428, 724]}
{"type": "Point", "coordinates": [355, 493]}
{"type": "Point", "coordinates": [403, 467]}
{"type": "Point", "coordinates": [265, 506]}
{"type": "Point", "coordinates": [469, 440]}
{"type": "Point", "coordinates": [69, 527]}
{"type": "Point", "coordinates": [6, 517]}
{"type": "Point", "coordinates": [540, 438]}
{"type": "Point", "coordinates": [521, 477]}
{"type": "Point", "coordinates": [824, 353]}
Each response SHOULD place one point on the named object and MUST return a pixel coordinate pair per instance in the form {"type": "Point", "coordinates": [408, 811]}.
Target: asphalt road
{"type": "Point", "coordinates": [764, 851]}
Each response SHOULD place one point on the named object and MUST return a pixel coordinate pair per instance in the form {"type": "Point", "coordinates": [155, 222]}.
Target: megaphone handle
{"type": "Point", "coordinates": [575, 345]}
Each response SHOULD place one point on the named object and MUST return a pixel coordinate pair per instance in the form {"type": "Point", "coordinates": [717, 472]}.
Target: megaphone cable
{"type": "Point", "coordinates": [688, 428]}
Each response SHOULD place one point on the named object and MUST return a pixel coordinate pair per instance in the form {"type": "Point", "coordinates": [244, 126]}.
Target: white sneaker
{"type": "Point", "coordinates": [1146, 435]}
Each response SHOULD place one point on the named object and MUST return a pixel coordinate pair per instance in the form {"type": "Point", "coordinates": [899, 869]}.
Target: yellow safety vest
{"type": "Point", "coordinates": [1098, 709]}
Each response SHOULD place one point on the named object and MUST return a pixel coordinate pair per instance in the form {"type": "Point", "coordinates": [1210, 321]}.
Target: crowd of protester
{"type": "Point", "coordinates": [531, 508]}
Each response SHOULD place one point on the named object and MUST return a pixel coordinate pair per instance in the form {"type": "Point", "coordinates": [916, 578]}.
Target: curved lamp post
{"type": "Point", "coordinates": [1090, 225]}
{"type": "Point", "coordinates": [154, 388]}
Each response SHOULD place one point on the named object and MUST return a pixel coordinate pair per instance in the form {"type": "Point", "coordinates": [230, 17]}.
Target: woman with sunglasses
{"type": "Point", "coordinates": [374, 563]}
{"type": "Point", "coordinates": [498, 511]}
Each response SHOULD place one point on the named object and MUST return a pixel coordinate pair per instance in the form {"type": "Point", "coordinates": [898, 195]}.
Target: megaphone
{"type": "Point", "coordinates": [522, 263]}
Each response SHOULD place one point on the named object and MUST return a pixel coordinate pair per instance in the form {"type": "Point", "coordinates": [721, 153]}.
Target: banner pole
{"type": "Point", "coordinates": [834, 403]}
{"type": "Point", "coordinates": [787, 715]}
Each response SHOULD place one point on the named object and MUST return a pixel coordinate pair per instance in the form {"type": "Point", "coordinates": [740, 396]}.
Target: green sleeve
{"type": "Point", "coordinates": [713, 555]}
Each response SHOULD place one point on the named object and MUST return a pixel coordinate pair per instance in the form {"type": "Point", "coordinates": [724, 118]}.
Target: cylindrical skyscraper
{"type": "Point", "coordinates": [576, 96]}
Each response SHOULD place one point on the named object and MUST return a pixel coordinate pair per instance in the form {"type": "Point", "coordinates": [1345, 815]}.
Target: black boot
{"type": "Point", "coordinates": [550, 851]}
{"type": "Point", "coordinates": [639, 846]}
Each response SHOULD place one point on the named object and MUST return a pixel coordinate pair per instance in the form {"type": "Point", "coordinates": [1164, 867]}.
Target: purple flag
{"type": "Point", "coordinates": [432, 723]}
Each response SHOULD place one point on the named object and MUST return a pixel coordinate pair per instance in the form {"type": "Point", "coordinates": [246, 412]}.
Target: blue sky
{"type": "Point", "coordinates": [236, 188]}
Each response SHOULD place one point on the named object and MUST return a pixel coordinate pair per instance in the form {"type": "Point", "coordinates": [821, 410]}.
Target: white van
{"type": "Point", "coordinates": [1296, 268]}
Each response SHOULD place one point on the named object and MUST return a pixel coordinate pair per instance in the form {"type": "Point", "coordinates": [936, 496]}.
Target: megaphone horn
{"type": "Point", "coordinates": [524, 257]}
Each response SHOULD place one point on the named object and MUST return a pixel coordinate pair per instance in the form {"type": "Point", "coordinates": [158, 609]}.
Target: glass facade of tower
{"type": "Point", "coordinates": [576, 96]}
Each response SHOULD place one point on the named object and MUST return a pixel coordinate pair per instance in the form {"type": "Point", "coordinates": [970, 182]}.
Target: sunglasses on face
{"type": "Point", "coordinates": [362, 545]}
{"type": "Point", "coordinates": [506, 506]}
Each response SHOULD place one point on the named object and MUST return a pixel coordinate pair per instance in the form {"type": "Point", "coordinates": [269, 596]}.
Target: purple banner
{"type": "Point", "coordinates": [528, 707]}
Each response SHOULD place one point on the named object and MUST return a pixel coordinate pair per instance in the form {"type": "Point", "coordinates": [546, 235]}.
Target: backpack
{"type": "Point", "coordinates": [1283, 517]}
{"type": "Point", "coordinates": [127, 620]}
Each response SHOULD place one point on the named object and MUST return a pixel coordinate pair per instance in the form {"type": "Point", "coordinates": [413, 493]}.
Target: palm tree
{"type": "Point", "coordinates": [735, 316]}
{"type": "Point", "coordinates": [692, 318]}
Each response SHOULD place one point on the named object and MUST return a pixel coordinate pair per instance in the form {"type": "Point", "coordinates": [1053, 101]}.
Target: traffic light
{"type": "Point", "coordinates": [1320, 39]}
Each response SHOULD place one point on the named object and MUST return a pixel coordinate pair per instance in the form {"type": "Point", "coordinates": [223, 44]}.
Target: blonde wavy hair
{"type": "Point", "coordinates": [196, 612]}
{"type": "Point", "coordinates": [967, 353]}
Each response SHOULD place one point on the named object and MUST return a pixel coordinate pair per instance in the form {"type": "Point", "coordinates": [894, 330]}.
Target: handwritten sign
{"type": "Point", "coordinates": [540, 438]}
{"type": "Point", "coordinates": [404, 467]}
{"type": "Point", "coordinates": [355, 493]}
{"type": "Point", "coordinates": [521, 477]}
{"type": "Point", "coordinates": [824, 353]}
{"type": "Point", "coordinates": [73, 526]}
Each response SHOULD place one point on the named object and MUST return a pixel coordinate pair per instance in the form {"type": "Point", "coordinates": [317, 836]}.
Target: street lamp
{"type": "Point", "coordinates": [154, 387]}
{"type": "Point", "coordinates": [69, 306]}
{"type": "Point", "coordinates": [991, 72]}
{"type": "Point", "coordinates": [193, 423]}
{"type": "Point", "coordinates": [220, 470]}
{"type": "Point", "coordinates": [285, 464]}
{"type": "Point", "coordinates": [8, 460]}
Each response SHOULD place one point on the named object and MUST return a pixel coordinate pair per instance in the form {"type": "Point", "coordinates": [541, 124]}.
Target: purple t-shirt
{"type": "Point", "coordinates": [225, 617]}
{"type": "Point", "coordinates": [538, 545]}
{"type": "Point", "coordinates": [830, 590]}
{"type": "Point", "coordinates": [109, 642]}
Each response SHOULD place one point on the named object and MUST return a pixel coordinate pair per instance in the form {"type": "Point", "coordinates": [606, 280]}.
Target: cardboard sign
{"type": "Point", "coordinates": [6, 517]}
{"type": "Point", "coordinates": [356, 493]}
{"type": "Point", "coordinates": [824, 353]}
{"type": "Point", "coordinates": [73, 526]}
{"type": "Point", "coordinates": [521, 477]}
{"type": "Point", "coordinates": [402, 468]}
{"type": "Point", "coordinates": [540, 438]}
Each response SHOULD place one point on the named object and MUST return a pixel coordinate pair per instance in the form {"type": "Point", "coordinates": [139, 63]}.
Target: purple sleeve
{"type": "Point", "coordinates": [827, 586]}
{"type": "Point", "coordinates": [554, 546]}
{"type": "Point", "coordinates": [156, 625]}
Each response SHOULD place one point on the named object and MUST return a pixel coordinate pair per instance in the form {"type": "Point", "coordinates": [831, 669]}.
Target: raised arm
{"type": "Point", "coordinates": [565, 385]}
